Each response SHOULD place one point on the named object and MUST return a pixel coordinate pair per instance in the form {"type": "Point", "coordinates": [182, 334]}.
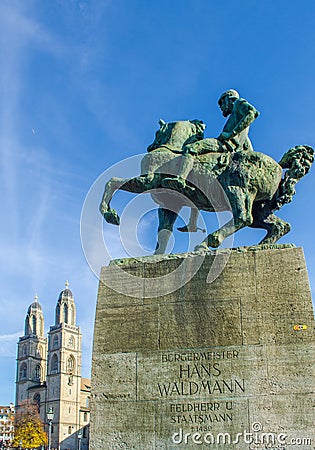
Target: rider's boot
{"type": "Point", "coordinates": [146, 179]}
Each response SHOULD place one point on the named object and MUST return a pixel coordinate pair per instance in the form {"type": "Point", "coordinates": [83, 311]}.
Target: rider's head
{"type": "Point", "coordinates": [227, 100]}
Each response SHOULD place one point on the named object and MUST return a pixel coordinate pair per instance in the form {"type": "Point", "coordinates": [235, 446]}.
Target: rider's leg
{"type": "Point", "coordinates": [185, 166]}
{"type": "Point", "coordinates": [186, 163]}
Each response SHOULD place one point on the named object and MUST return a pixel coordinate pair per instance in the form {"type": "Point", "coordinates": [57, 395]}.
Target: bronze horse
{"type": "Point", "coordinates": [249, 184]}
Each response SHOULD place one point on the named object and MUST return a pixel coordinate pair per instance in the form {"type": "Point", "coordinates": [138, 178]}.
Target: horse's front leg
{"type": "Point", "coordinates": [109, 214]}
{"type": "Point", "coordinates": [136, 185]}
{"type": "Point", "coordinates": [110, 187]}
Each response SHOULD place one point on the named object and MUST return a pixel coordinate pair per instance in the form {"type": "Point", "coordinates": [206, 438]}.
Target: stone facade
{"type": "Point", "coordinates": [49, 373]}
{"type": "Point", "coordinates": [225, 363]}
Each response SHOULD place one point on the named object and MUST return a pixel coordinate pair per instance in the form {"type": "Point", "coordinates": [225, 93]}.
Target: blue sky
{"type": "Point", "coordinates": [83, 84]}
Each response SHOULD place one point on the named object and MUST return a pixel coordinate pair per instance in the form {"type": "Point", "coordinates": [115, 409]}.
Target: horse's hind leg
{"type": "Point", "coordinates": [241, 205]}
{"type": "Point", "coordinates": [276, 228]}
{"type": "Point", "coordinates": [265, 219]}
{"type": "Point", "coordinates": [167, 219]}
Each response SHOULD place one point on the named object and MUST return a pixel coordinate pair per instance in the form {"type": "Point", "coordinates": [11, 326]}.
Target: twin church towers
{"type": "Point", "coordinates": [49, 372]}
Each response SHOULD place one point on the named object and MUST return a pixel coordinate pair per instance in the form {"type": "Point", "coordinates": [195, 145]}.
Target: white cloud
{"type": "Point", "coordinates": [8, 344]}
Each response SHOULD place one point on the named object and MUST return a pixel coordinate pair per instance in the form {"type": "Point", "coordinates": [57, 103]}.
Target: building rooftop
{"type": "Point", "coordinates": [35, 306]}
{"type": "Point", "coordinates": [66, 293]}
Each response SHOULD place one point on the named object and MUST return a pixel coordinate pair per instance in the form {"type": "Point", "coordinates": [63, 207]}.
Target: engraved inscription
{"type": "Point", "coordinates": [202, 414]}
{"type": "Point", "coordinates": [198, 377]}
{"type": "Point", "coordinates": [199, 356]}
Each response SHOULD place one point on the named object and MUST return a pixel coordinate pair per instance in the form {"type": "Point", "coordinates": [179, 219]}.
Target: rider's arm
{"type": "Point", "coordinates": [249, 113]}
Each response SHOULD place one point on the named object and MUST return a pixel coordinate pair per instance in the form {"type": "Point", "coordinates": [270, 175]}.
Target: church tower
{"type": "Point", "coordinates": [31, 358]}
{"type": "Point", "coordinates": [64, 372]}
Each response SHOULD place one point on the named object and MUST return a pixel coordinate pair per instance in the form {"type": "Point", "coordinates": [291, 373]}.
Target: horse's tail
{"type": "Point", "coordinates": [298, 161]}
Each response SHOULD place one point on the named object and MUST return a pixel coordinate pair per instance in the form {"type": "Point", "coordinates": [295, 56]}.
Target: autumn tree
{"type": "Point", "coordinates": [28, 427]}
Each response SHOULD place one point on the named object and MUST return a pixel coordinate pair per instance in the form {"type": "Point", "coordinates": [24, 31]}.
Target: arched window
{"type": "Point", "coordinates": [23, 371]}
{"type": "Point", "coordinates": [85, 417]}
{"type": "Point", "coordinates": [85, 432]}
{"type": "Point", "coordinates": [55, 342]}
{"type": "Point", "coordinates": [34, 330]}
{"type": "Point", "coordinates": [54, 364]}
{"type": "Point", "coordinates": [37, 373]}
{"type": "Point", "coordinates": [70, 316]}
{"type": "Point", "coordinates": [70, 364]}
{"type": "Point", "coordinates": [37, 400]}
{"type": "Point", "coordinates": [24, 350]}
{"type": "Point", "coordinates": [57, 314]}
{"type": "Point", "coordinates": [69, 429]}
{"type": "Point", "coordinates": [65, 313]}
{"type": "Point", "coordinates": [87, 402]}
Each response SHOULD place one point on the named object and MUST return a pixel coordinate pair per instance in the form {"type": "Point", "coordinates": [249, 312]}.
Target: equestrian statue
{"type": "Point", "coordinates": [182, 168]}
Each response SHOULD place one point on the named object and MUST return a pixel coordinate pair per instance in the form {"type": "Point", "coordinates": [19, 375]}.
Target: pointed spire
{"type": "Point", "coordinates": [65, 309]}
{"type": "Point", "coordinates": [34, 322]}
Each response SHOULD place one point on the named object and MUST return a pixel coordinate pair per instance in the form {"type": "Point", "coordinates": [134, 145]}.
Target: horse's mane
{"type": "Point", "coordinates": [177, 134]}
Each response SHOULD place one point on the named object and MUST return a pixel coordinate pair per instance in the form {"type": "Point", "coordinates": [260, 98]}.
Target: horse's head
{"type": "Point", "coordinates": [178, 134]}
{"type": "Point", "coordinates": [298, 160]}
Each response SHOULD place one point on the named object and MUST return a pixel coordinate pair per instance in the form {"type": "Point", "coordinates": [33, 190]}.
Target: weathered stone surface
{"type": "Point", "coordinates": [208, 358]}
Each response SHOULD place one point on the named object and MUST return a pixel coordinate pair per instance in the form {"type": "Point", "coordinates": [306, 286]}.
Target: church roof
{"type": "Point", "coordinates": [35, 306]}
{"type": "Point", "coordinates": [65, 294]}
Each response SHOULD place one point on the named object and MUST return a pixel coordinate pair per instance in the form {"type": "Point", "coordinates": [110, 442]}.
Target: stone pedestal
{"type": "Point", "coordinates": [227, 364]}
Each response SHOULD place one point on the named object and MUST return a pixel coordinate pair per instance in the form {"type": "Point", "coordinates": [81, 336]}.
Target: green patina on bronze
{"type": "Point", "coordinates": [215, 174]}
